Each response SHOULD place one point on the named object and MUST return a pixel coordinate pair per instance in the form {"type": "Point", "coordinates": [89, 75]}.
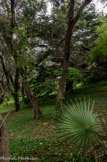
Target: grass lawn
{"type": "Point", "coordinates": [38, 139]}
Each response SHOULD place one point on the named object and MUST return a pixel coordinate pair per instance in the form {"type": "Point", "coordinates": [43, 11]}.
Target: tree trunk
{"type": "Point", "coordinates": [33, 100]}
{"type": "Point", "coordinates": [65, 65]}
{"type": "Point", "coordinates": [62, 82]}
{"type": "Point", "coordinates": [16, 90]}
{"type": "Point", "coordinates": [16, 99]}
{"type": "Point", "coordinates": [71, 22]}
{"type": "Point", "coordinates": [66, 52]}
{"type": "Point", "coordinates": [4, 146]}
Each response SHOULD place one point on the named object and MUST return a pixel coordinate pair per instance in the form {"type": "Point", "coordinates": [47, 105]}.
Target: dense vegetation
{"type": "Point", "coordinates": [46, 61]}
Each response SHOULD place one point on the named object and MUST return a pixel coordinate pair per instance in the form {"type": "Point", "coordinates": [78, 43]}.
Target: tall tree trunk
{"type": "Point", "coordinates": [71, 22]}
{"type": "Point", "coordinates": [33, 100]}
{"type": "Point", "coordinates": [65, 64]}
{"type": "Point", "coordinates": [16, 90]}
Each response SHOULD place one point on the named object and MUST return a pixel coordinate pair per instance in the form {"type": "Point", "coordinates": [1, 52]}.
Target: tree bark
{"type": "Point", "coordinates": [71, 22]}
{"type": "Point", "coordinates": [16, 89]}
{"type": "Point", "coordinates": [16, 99]}
{"type": "Point", "coordinates": [33, 100]}
{"type": "Point", "coordinates": [65, 65]}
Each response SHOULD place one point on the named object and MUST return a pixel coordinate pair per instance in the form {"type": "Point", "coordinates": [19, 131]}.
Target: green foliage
{"type": "Point", "coordinates": [44, 88]}
{"type": "Point", "coordinates": [79, 125]}
{"type": "Point", "coordinates": [43, 83]}
{"type": "Point", "coordinates": [94, 79]}
{"type": "Point", "coordinates": [75, 75]}
{"type": "Point", "coordinates": [99, 52]}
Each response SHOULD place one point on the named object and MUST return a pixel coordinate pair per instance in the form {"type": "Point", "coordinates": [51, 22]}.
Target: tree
{"type": "Point", "coordinates": [72, 20]}
{"type": "Point", "coordinates": [98, 55]}
{"type": "Point", "coordinates": [15, 41]}
{"type": "Point", "coordinates": [84, 33]}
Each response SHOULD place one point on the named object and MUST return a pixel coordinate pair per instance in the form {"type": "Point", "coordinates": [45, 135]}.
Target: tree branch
{"type": "Point", "coordinates": [80, 10]}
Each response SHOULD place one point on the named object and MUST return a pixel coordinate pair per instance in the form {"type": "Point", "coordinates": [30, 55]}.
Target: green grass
{"type": "Point", "coordinates": [38, 139]}
{"type": "Point", "coordinates": [4, 108]}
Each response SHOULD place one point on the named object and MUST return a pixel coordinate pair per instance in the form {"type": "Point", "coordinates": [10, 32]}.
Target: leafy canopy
{"type": "Point", "coordinates": [99, 52]}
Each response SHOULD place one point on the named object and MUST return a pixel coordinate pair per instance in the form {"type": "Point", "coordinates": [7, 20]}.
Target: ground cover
{"type": "Point", "coordinates": [31, 138]}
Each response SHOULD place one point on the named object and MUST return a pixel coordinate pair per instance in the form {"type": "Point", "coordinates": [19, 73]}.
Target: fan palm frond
{"type": "Point", "coordinates": [80, 125]}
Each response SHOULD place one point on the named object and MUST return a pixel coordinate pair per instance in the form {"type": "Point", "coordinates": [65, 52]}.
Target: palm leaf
{"type": "Point", "coordinates": [79, 124]}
